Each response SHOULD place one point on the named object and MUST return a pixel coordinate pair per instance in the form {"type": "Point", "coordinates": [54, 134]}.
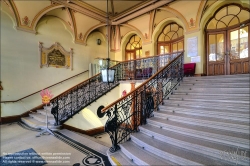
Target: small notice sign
{"type": "Point", "coordinates": [196, 59]}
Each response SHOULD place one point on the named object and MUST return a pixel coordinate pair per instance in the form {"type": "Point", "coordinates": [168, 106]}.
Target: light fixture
{"type": "Point", "coordinates": [98, 41]}
{"type": "Point", "coordinates": [108, 75]}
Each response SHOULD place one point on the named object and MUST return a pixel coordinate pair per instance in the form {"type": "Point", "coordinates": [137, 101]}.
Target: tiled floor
{"type": "Point", "coordinates": [14, 138]}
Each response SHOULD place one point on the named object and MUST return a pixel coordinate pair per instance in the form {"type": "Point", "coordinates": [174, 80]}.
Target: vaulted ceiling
{"type": "Point", "coordinates": [82, 17]}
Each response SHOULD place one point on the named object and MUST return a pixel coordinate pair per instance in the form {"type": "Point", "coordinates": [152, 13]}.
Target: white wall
{"type": "Point", "coordinates": [21, 74]}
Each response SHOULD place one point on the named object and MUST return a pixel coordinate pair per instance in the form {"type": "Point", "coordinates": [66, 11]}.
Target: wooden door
{"type": "Point", "coordinates": [227, 52]}
{"type": "Point", "coordinates": [216, 51]}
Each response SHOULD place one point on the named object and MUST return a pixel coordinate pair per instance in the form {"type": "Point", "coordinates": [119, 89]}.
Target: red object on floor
{"type": "Point", "coordinates": [189, 69]}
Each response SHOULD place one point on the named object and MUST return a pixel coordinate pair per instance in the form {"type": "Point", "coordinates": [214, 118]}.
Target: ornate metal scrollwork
{"type": "Point", "coordinates": [125, 116]}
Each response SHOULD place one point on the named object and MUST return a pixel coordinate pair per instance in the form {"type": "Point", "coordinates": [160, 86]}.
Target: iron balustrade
{"type": "Point", "coordinates": [126, 114]}
{"type": "Point", "coordinates": [67, 104]}
{"type": "Point", "coordinates": [144, 68]}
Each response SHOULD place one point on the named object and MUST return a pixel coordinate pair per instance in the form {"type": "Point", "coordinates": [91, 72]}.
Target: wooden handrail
{"type": "Point", "coordinates": [130, 93]}
{"type": "Point", "coordinates": [13, 101]}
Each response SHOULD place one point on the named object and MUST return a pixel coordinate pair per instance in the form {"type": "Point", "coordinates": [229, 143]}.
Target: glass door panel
{"type": "Point", "coordinates": [244, 42]}
{"type": "Point", "coordinates": [129, 56]}
{"type": "Point", "coordinates": [234, 45]}
{"type": "Point", "coordinates": [174, 47]}
{"type": "Point", "coordinates": [220, 53]}
{"type": "Point", "coordinates": [164, 49]}
{"type": "Point", "coordinates": [180, 46]}
{"type": "Point", "coordinates": [211, 47]}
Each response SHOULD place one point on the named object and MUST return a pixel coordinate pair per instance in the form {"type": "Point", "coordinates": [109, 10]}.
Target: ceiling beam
{"type": "Point", "coordinates": [75, 5]}
{"type": "Point", "coordinates": [153, 4]}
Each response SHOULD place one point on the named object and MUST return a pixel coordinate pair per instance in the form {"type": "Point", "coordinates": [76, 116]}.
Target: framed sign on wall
{"type": "Point", "coordinates": [192, 47]}
{"type": "Point", "coordinates": [55, 56]}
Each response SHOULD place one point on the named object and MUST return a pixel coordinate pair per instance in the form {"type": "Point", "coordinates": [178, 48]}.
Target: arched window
{"type": "Point", "coordinates": [170, 39]}
{"type": "Point", "coordinates": [133, 48]}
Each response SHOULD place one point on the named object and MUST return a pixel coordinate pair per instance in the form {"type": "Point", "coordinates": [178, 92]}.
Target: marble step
{"type": "Point", "coordinates": [43, 112]}
{"type": "Point", "coordinates": [173, 153]}
{"type": "Point", "coordinates": [199, 117]}
{"type": "Point", "coordinates": [208, 97]}
{"type": "Point", "coordinates": [212, 133]}
{"type": "Point", "coordinates": [235, 85]}
{"type": "Point", "coordinates": [205, 104]}
{"type": "Point", "coordinates": [208, 100]}
{"type": "Point", "coordinates": [220, 78]}
{"type": "Point", "coordinates": [202, 89]}
{"type": "Point", "coordinates": [200, 145]}
{"type": "Point", "coordinates": [38, 124]}
{"type": "Point", "coordinates": [140, 156]}
{"type": "Point", "coordinates": [223, 114]}
{"type": "Point", "coordinates": [204, 122]}
{"type": "Point", "coordinates": [211, 94]}
{"type": "Point", "coordinates": [42, 118]}
{"type": "Point", "coordinates": [119, 159]}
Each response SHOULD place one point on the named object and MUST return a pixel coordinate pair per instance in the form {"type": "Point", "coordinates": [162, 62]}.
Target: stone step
{"type": "Point", "coordinates": [225, 90]}
{"type": "Point", "coordinates": [208, 97]}
{"type": "Point", "coordinates": [203, 146]}
{"type": "Point", "coordinates": [118, 159]}
{"type": "Point", "coordinates": [140, 156]}
{"type": "Point", "coordinates": [208, 100]}
{"type": "Point", "coordinates": [42, 118]}
{"type": "Point", "coordinates": [38, 124]}
{"type": "Point", "coordinates": [215, 84]}
{"type": "Point", "coordinates": [174, 106]}
{"type": "Point", "coordinates": [43, 112]}
{"type": "Point", "coordinates": [220, 78]}
{"type": "Point", "coordinates": [173, 153]}
{"type": "Point", "coordinates": [205, 122]}
{"type": "Point", "coordinates": [200, 117]}
{"type": "Point", "coordinates": [238, 116]}
{"type": "Point", "coordinates": [216, 80]}
{"type": "Point", "coordinates": [210, 94]}
{"type": "Point", "coordinates": [205, 104]}
{"type": "Point", "coordinates": [229, 139]}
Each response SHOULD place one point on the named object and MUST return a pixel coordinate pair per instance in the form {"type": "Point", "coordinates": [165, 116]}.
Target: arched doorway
{"type": "Point", "coordinates": [170, 40]}
{"type": "Point", "coordinates": [133, 48]}
{"type": "Point", "coordinates": [227, 41]}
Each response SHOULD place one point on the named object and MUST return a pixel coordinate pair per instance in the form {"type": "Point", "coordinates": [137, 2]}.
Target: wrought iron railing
{"type": "Point", "coordinates": [126, 114]}
{"type": "Point", "coordinates": [145, 67]}
{"type": "Point", "coordinates": [67, 104]}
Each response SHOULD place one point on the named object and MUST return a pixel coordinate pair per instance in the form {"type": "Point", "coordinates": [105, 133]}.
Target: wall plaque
{"type": "Point", "coordinates": [55, 56]}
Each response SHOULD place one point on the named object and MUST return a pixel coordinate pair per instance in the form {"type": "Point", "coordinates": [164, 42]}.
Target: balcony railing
{"type": "Point", "coordinates": [127, 113]}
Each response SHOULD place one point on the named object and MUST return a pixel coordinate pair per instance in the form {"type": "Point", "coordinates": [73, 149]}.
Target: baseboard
{"type": "Point", "coordinates": [9, 119]}
{"type": "Point", "coordinates": [198, 75]}
{"type": "Point", "coordinates": [16, 118]}
{"type": "Point", "coordinates": [89, 132]}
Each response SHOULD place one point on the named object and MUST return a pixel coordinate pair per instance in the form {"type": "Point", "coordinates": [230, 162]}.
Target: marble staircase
{"type": "Point", "coordinates": [37, 120]}
{"type": "Point", "coordinates": [204, 122]}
